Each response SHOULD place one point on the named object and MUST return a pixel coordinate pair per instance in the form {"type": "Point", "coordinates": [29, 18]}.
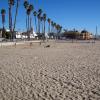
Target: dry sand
{"type": "Point", "coordinates": [65, 71]}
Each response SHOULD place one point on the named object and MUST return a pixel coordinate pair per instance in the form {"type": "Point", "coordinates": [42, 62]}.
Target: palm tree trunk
{"type": "Point", "coordinates": [11, 28]}
{"type": "Point", "coordinates": [49, 28]}
{"type": "Point", "coordinates": [44, 30]}
{"type": "Point", "coordinates": [36, 24]}
{"type": "Point", "coordinates": [38, 33]}
{"type": "Point", "coordinates": [26, 34]}
{"type": "Point", "coordinates": [39, 26]}
{"type": "Point", "coordinates": [10, 25]}
{"type": "Point", "coordinates": [30, 23]}
{"type": "Point", "coordinates": [42, 27]}
{"type": "Point", "coordinates": [3, 26]}
{"type": "Point", "coordinates": [9, 15]}
{"type": "Point", "coordinates": [3, 19]}
{"type": "Point", "coordinates": [3, 32]}
{"type": "Point", "coordinates": [28, 27]}
{"type": "Point", "coordinates": [52, 29]}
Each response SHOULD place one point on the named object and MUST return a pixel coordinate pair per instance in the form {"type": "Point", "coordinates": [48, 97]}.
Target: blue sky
{"type": "Point", "coordinates": [79, 14]}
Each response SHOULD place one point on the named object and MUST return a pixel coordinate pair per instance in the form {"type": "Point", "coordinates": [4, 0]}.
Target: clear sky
{"type": "Point", "coordinates": [79, 14]}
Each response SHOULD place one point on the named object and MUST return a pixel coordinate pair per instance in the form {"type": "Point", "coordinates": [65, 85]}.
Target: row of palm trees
{"type": "Point", "coordinates": [39, 17]}
{"type": "Point", "coordinates": [40, 21]}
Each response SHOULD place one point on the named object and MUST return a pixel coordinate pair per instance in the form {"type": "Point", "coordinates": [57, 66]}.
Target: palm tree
{"type": "Point", "coordinates": [3, 12]}
{"type": "Point", "coordinates": [35, 14]}
{"type": "Point", "coordinates": [39, 17]}
{"type": "Point", "coordinates": [49, 22]}
{"type": "Point", "coordinates": [54, 29]}
{"type": "Point", "coordinates": [52, 24]}
{"type": "Point", "coordinates": [11, 3]}
{"type": "Point", "coordinates": [44, 19]}
{"type": "Point", "coordinates": [58, 28]}
{"type": "Point", "coordinates": [26, 5]}
{"type": "Point", "coordinates": [30, 8]}
{"type": "Point", "coordinates": [28, 14]}
{"type": "Point", "coordinates": [40, 11]}
{"type": "Point", "coordinates": [16, 15]}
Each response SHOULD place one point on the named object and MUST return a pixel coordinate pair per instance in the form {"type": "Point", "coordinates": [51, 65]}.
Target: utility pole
{"type": "Point", "coordinates": [95, 37]}
{"type": "Point", "coordinates": [96, 32]}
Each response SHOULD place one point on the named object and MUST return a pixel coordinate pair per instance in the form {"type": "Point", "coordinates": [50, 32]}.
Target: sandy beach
{"type": "Point", "coordinates": [65, 71]}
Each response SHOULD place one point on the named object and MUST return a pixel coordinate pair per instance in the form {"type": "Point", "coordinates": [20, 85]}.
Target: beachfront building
{"type": "Point", "coordinates": [85, 35]}
{"type": "Point", "coordinates": [19, 35]}
{"type": "Point", "coordinates": [23, 35]}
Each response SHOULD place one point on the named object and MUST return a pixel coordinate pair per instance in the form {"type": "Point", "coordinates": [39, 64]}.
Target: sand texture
{"type": "Point", "coordinates": [64, 71]}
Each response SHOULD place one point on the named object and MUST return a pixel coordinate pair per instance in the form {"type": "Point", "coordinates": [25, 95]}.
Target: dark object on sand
{"type": "Point", "coordinates": [40, 43]}
{"type": "Point", "coordinates": [30, 44]}
{"type": "Point", "coordinates": [47, 46]}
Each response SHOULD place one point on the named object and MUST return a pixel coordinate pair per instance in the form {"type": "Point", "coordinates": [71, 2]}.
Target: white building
{"type": "Point", "coordinates": [23, 35]}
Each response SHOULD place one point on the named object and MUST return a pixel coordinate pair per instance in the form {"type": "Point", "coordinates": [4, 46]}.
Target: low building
{"type": "Point", "coordinates": [23, 35]}
{"type": "Point", "coordinates": [85, 35]}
